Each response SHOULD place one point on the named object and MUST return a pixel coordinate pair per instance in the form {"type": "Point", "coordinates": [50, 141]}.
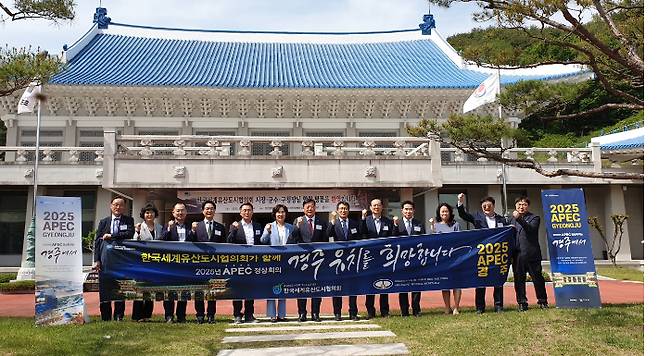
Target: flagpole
{"type": "Point", "coordinates": [504, 175]}
{"type": "Point", "coordinates": [27, 269]}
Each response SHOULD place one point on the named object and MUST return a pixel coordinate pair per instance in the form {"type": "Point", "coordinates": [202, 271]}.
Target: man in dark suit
{"type": "Point", "coordinates": [309, 228]}
{"type": "Point", "coordinates": [342, 228]}
{"type": "Point", "coordinates": [374, 226]}
{"type": "Point", "coordinates": [484, 219]}
{"type": "Point", "coordinates": [177, 230]}
{"type": "Point", "coordinates": [207, 230]}
{"type": "Point", "coordinates": [114, 227]}
{"type": "Point", "coordinates": [407, 227]}
{"type": "Point", "coordinates": [245, 232]}
{"type": "Point", "coordinates": [527, 255]}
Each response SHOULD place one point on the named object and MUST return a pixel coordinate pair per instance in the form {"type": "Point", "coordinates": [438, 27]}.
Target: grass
{"type": "Point", "coordinates": [621, 273]}
{"type": "Point", "coordinates": [614, 329]}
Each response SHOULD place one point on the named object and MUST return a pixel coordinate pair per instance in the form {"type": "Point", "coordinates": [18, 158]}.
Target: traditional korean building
{"type": "Point", "coordinates": [161, 114]}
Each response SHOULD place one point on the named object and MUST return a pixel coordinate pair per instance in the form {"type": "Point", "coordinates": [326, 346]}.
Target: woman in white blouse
{"type": "Point", "coordinates": [277, 233]}
{"type": "Point", "coordinates": [147, 230]}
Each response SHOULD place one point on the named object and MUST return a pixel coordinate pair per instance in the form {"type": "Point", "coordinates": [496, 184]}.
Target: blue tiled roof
{"type": "Point", "coordinates": [121, 60]}
{"type": "Point", "coordinates": [628, 144]}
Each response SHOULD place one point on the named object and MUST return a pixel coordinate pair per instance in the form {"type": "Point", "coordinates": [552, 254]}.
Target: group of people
{"type": "Point", "coordinates": [526, 254]}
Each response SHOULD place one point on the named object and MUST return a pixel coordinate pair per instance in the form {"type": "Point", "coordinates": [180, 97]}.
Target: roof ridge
{"type": "Point", "coordinates": [263, 31]}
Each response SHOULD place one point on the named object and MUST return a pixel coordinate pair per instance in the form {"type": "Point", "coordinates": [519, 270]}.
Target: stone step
{"type": "Point", "coordinates": [314, 326]}
{"type": "Point", "coordinates": [329, 350]}
{"type": "Point", "coordinates": [307, 336]}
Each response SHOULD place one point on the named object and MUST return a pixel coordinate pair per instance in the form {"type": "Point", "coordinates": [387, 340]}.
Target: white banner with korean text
{"type": "Point", "coordinates": [58, 261]}
{"type": "Point", "coordinates": [264, 200]}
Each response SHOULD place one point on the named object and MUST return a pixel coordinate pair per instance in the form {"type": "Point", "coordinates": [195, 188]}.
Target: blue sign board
{"type": "Point", "coordinates": [570, 249]}
{"type": "Point", "coordinates": [186, 270]}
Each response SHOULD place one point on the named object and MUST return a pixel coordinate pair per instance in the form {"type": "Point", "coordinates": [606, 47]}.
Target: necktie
{"type": "Point", "coordinates": [115, 225]}
{"type": "Point", "coordinates": [409, 227]}
{"type": "Point", "coordinates": [310, 226]}
{"type": "Point", "coordinates": [344, 224]}
{"type": "Point", "coordinates": [377, 225]}
{"type": "Point", "coordinates": [209, 229]}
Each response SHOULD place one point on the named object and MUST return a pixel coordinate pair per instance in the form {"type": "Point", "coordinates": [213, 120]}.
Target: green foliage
{"type": "Point", "coordinates": [556, 140]}
{"type": "Point", "coordinates": [19, 67]}
{"type": "Point", "coordinates": [7, 276]}
{"type": "Point", "coordinates": [51, 10]}
{"type": "Point", "coordinates": [88, 240]}
{"type": "Point", "coordinates": [17, 287]}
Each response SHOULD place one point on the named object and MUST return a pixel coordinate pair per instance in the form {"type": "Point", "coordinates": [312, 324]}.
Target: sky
{"type": "Point", "coordinates": [282, 15]}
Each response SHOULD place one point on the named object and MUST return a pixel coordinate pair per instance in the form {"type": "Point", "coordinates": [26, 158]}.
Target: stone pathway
{"type": "Point", "coordinates": [328, 330]}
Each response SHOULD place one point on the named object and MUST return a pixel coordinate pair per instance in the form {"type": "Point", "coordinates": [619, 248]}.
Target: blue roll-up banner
{"type": "Point", "coordinates": [186, 270]}
{"type": "Point", "coordinates": [570, 249]}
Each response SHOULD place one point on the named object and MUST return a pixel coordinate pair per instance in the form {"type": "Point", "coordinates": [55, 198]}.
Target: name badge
{"type": "Point", "coordinates": [499, 224]}
{"type": "Point", "coordinates": [385, 228]}
{"type": "Point", "coordinates": [257, 232]}
{"type": "Point", "coordinates": [353, 230]}
{"type": "Point", "coordinates": [331, 239]}
{"type": "Point", "coordinates": [218, 232]}
{"type": "Point", "coordinates": [318, 227]}
{"type": "Point", "coordinates": [417, 228]}
{"type": "Point", "coordinates": [123, 227]}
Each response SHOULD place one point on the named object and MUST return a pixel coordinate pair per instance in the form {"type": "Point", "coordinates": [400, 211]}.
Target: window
{"type": "Point", "coordinates": [13, 207]}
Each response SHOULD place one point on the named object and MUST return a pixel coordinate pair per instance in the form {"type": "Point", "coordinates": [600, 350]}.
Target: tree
{"type": "Point", "coordinates": [19, 67]}
{"type": "Point", "coordinates": [476, 135]}
{"type": "Point", "coordinates": [52, 10]}
{"type": "Point", "coordinates": [613, 245]}
{"type": "Point", "coordinates": [607, 36]}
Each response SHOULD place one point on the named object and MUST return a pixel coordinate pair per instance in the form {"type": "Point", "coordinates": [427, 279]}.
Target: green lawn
{"type": "Point", "coordinates": [621, 273]}
{"type": "Point", "coordinates": [614, 329]}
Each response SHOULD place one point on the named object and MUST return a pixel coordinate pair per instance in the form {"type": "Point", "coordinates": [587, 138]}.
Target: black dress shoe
{"type": "Point", "coordinates": [543, 305]}
{"type": "Point", "coordinates": [118, 318]}
{"type": "Point", "coordinates": [370, 316]}
{"type": "Point", "coordinates": [385, 315]}
{"type": "Point", "coordinates": [302, 318]}
{"type": "Point", "coordinates": [338, 317]}
{"type": "Point", "coordinates": [250, 319]}
{"type": "Point", "coordinates": [211, 320]}
{"type": "Point", "coordinates": [199, 320]}
{"type": "Point", "coordinates": [316, 317]}
{"type": "Point", "coordinates": [282, 319]}
{"type": "Point", "coordinates": [498, 309]}
{"type": "Point", "coordinates": [354, 317]}
{"type": "Point", "coordinates": [181, 321]}
{"type": "Point", "coordinates": [237, 320]}
{"type": "Point", "coordinates": [169, 320]}
{"type": "Point", "coordinates": [522, 307]}
{"type": "Point", "coordinates": [479, 311]}
{"type": "Point", "coordinates": [273, 320]}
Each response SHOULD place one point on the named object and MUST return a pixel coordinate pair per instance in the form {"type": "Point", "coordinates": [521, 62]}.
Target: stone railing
{"type": "Point", "coordinates": [576, 156]}
{"type": "Point", "coordinates": [223, 147]}
{"type": "Point", "coordinates": [52, 155]}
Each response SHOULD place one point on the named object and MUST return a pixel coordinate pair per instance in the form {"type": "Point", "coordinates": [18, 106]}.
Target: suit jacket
{"type": "Point", "coordinates": [527, 237]}
{"type": "Point", "coordinates": [273, 238]}
{"type": "Point", "coordinates": [369, 230]}
{"type": "Point", "coordinates": [417, 228]}
{"type": "Point", "coordinates": [145, 234]}
{"type": "Point", "coordinates": [173, 234]}
{"type": "Point", "coordinates": [478, 218]}
{"type": "Point", "coordinates": [126, 231]}
{"type": "Point", "coordinates": [237, 236]}
{"type": "Point", "coordinates": [303, 234]}
{"type": "Point", "coordinates": [338, 234]}
{"type": "Point", "coordinates": [218, 232]}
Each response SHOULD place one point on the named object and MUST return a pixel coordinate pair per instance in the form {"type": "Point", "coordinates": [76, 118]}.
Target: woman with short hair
{"type": "Point", "coordinates": [146, 231]}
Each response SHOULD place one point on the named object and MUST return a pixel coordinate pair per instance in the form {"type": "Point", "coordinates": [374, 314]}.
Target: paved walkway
{"type": "Point", "coordinates": [612, 292]}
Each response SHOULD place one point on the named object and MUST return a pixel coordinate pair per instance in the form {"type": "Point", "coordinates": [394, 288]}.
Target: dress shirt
{"type": "Point", "coordinates": [248, 232]}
